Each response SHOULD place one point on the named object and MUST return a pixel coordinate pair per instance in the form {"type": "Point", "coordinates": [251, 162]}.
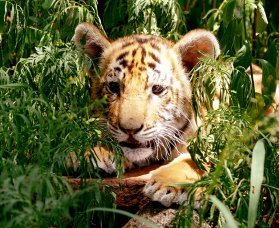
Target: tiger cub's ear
{"type": "Point", "coordinates": [195, 45]}
{"type": "Point", "coordinates": [88, 38]}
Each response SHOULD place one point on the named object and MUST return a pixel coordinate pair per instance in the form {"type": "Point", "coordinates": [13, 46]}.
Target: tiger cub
{"type": "Point", "coordinates": [146, 81]}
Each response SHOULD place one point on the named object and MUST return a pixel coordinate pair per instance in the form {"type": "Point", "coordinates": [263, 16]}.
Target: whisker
{"type": "Point", "coordinates": [114, 132]}
{"type": "Point", "coordinates": [171, 143]}
{"type": "Point", "coordinates": [148, 132]}
{"type": "Point", "coordinates": [173, 132]}
{"type": "Point", "coordinates": [173, 135]}
{"type": "Point", "coordinates": [156, 142]}
{"type": "Point", "coordinates": [162, 145]}
{"type": "Point", "coordinates": [178, 133]}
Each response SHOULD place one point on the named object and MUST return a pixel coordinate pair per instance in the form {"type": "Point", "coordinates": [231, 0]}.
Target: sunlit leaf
{"type": "Point", "coordinates": [261, 21]}
{"type": "Point", "coordinates": [230, 221]}
{"type": "Point", "coordinates": [257, 174]}
{"type": "Point", "coordinates": [13, 86]}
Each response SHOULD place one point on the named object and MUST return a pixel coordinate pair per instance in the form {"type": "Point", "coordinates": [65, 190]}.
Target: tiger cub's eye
{"type": "Point", "coordinates": [158, 89]}
{"type": "Point", "coordinates": [113, 87]}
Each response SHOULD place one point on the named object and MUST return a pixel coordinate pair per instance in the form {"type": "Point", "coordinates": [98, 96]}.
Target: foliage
{"type": "Point", "coordinates": [162, 17]}
{"type": "Point", "coordinates": [32, 197]}
{"type": "Point", "coordinates": [46, 112]}
{"type": "Point", "coordinates": [230, 132]}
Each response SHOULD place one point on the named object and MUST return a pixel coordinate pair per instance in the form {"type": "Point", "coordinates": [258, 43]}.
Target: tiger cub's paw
{"type": "Point", "coordinates": [72, 161]}
{"type": "Point", "coordinates": [97, 157]}
{"type": "Point", "coordinates": [166, 195]}
{"type": "Point", "coordinates": [164, 187]}
{"type": "Point", "coordinates": [102, 159]}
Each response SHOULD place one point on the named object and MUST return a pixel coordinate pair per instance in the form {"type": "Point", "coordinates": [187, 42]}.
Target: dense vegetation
{"type": "Point", "coordinates": [46, 112]}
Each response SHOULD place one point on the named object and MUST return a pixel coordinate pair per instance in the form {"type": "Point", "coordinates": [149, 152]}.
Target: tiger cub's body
{"type": "Point", "coordinates": [149, 102]}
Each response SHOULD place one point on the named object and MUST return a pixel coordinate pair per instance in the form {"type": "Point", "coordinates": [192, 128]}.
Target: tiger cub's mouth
{"type": "Point", "coordinates": [132, 145]}
{"type": "Point", "coordinates": [135, 144]}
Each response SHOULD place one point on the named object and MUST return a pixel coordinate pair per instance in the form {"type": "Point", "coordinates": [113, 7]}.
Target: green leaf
{"type": "Point", "coordinates": [13, 86]}
{"type": "Point", "coordinates": [261, 20]}
{"type": "Point", "coordinates": [165, 10]}
{"type": "Point", "coordinates": [240, 87]}
{"type": "Point", "coordinates": [257, 174]}
{"type": "Point", "coordinates": [128, 214]}
{"type": "Point", "coordinates": [268, 81]}
{"type": "Point", "coordinates": [47, 4]}
{"type": "Point", "coordinates": [238, 10]}
{"type": "Point", "coordinates": [226, 39]}
{"type": "Point", "coordinates": [230, 221]}
{"type": "Point", "coordinates": [210, 20]}
{"type": "Point", "coordinates": [115, 12]}
{"type": "Point", "coordinates": [3, 15]}
{"type": "Point", "coordinates": [229, 12]}
{"type": "Point", "coordinates": [243, 56]}
{"type": "Point", "coordinates": [272, 53]}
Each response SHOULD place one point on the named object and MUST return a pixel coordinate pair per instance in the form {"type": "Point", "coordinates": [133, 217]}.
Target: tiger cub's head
{"type": "Point", "coordinates": [146, 81]}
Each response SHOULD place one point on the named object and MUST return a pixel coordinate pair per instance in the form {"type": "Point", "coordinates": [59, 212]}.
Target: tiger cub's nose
{"type": "Point", "coordinates": [130, 131]}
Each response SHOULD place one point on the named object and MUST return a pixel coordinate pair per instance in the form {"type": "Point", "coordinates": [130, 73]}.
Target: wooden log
{"type": "Point", "coordinates": [128, 190]}
{"type": "Point", "coordinates": [130, 197]}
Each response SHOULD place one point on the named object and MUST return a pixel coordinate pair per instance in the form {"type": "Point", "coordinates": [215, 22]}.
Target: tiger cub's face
{"type": "Point", "coordinates": [147, 84]}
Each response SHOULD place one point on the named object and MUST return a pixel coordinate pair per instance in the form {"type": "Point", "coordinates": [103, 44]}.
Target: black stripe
{"type": "Point", "coordinates": [155, 46]}
{"type": "Point", "coordinates": [185, 126]}
{"type": "Point", "coordinates": [121, 56]}
{"type": "Point", "coordinates": [142, 68]}
{"type": "Point", "coordinates": [117, 69]}
{"type": "Point", "coordinates": [128, 44]}
{"type": "Point", "coordinates": [142, 40]}
{"type": "Point", "coordinates": [153, 56]}
{"type": "Point", "coordinates": [151, 65]}
{"type": "Point", "coordinates": [134, 52]}
{"type": "Point", "coordinates": [143, 55]}
{"type": "Point", "coordinates": [123, 62]}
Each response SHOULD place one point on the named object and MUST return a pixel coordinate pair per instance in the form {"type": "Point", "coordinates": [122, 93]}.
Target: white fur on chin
{"type": "Point", "coordinates": [137, 155]}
